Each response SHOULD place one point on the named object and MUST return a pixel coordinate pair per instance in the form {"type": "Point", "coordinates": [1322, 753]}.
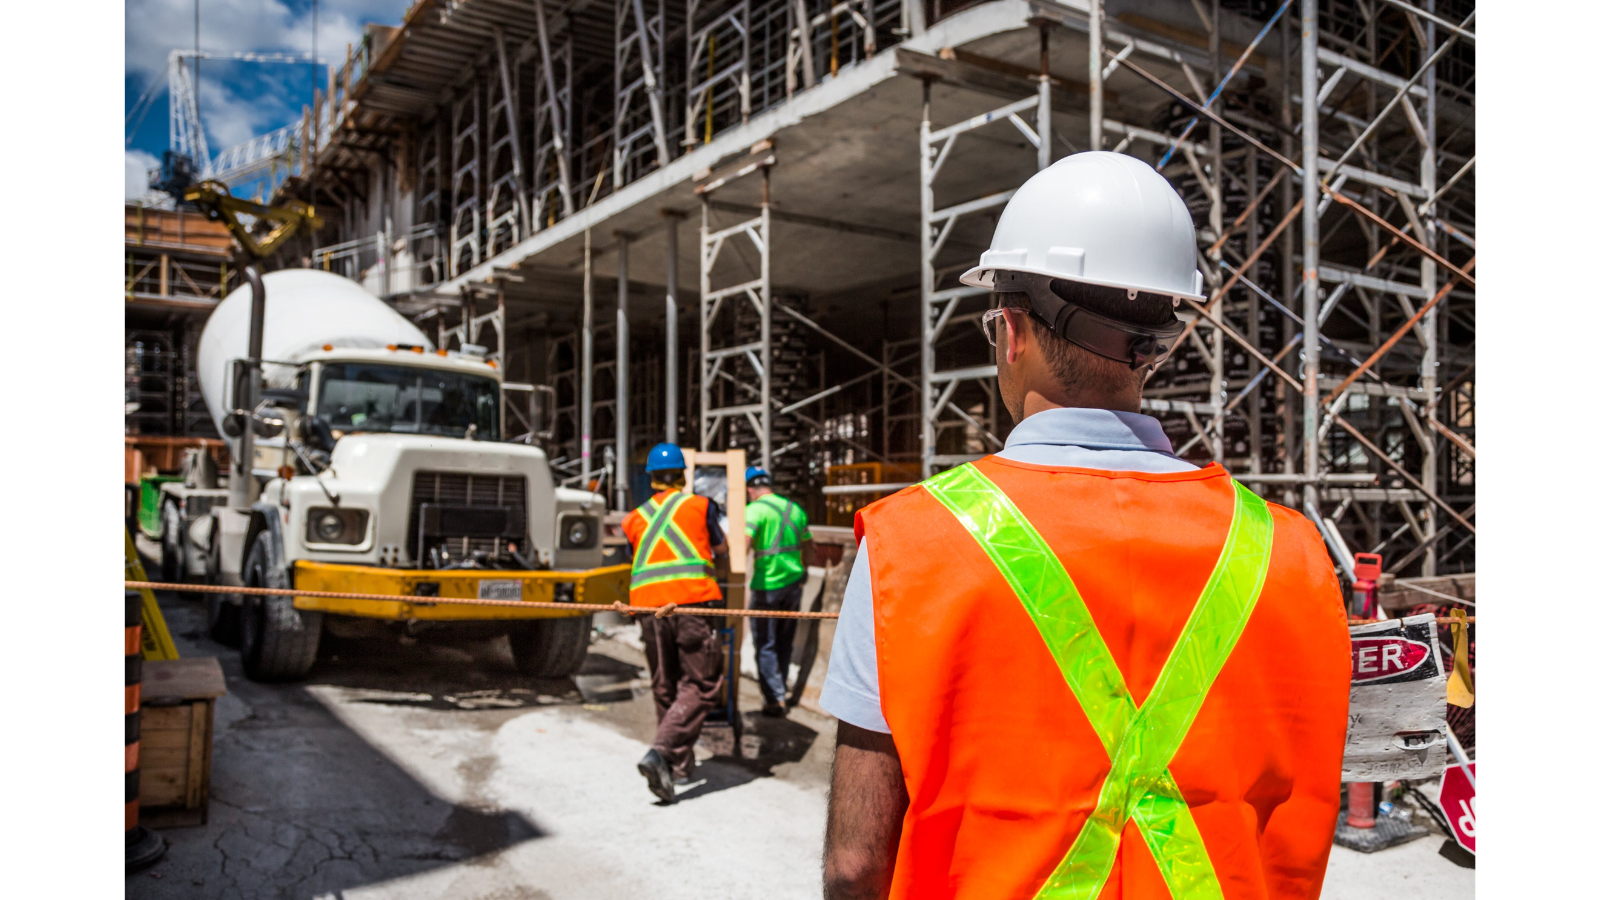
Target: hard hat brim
{"type": "Point", "coordinates": [983, 276]}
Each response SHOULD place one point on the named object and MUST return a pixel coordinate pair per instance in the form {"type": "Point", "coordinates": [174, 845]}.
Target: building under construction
{"type": "Point", "coordinates": [739, 223]}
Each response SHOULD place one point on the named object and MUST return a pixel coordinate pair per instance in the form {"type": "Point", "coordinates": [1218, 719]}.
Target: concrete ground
{"type": "Point", "coordinates": [411, 769]}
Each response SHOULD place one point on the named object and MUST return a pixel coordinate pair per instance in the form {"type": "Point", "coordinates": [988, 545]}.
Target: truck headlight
{"type": "Point", "coordinates": [578, 532]}
{"type": "Point", "coordinates": [326, 525]}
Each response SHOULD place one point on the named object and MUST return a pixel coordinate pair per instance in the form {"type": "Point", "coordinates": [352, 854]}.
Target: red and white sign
{"type": "Point", "coordinates": [1457, 797]}
{"type": "Point", "coordinates": [1374, 658]}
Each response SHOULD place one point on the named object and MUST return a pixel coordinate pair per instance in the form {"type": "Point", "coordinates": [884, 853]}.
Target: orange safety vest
{"type": "Point", "coordinates": [673, 565]}
{"type": "Point", "coordinates": [1007, 765]}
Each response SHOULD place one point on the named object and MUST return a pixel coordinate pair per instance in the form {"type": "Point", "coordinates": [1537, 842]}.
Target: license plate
{"type": "Point", "coordinates": [499, 590]}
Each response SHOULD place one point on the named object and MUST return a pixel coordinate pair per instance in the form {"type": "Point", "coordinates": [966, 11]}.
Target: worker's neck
{"type": "Point", "coordinates": [756, 493]}
{"type": "Point", "coordinates": [1049, 394]}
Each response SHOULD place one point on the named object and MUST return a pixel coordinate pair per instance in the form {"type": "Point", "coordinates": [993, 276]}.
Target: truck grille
{"type": "Point", "coordinates": [453, 489]}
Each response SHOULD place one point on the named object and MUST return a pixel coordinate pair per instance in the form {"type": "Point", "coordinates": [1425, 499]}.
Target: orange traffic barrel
{"type": "Point", "coordinates": [144, 845]}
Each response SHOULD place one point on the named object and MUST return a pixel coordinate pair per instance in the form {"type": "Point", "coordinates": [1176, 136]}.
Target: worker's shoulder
{"type": "Point", "coordinates": [1291, 523]}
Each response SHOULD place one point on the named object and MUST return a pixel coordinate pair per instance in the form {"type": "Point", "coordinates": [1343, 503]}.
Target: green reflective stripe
{"type": "Point", "coordinates": [672, 572]}
{"type": "Point", "coordinates": [1141, 741]}
{"type": "Point", "coordinates": [786, 528]}
{"type": "Point", "coordinates": [656, 519]}
{"type": "Point", "coordinates": [1046, 591]}
{"type": "Point", "coordinates": [679, 542]}
{"type": "Point", "coordinates": [685, 562]}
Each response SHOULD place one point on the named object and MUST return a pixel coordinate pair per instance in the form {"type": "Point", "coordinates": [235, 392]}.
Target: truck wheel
{"type": "Point", "coordinates": [172, 541]}
{"type": "Point", "coordinates": [279, 642]}
{"type": "Point", "coordinates": [550, 648]}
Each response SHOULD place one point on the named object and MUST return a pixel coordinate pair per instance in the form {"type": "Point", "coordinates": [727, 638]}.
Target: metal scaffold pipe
{"type": "Point", "coordinates": [1310, 242]}
{"type": "Point", "coordinates": [622, 372]}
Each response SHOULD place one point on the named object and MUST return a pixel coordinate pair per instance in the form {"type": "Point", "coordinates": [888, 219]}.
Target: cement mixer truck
{"type": "Point", "coordinates": [379, 466]}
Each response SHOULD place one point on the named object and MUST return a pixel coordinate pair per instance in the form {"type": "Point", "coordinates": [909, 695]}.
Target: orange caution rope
{"type": "Point", "coordinates": [670, 609]}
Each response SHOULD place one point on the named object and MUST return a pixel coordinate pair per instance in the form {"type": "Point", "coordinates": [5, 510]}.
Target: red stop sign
{"type": "Point", "coordinates": [1457, 797]}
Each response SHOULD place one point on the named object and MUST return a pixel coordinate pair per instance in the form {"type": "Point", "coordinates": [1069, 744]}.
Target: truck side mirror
{"type": "Point", "coordinates": [318, 434]}
{"type": "Point", "coordinates": [285, 398]}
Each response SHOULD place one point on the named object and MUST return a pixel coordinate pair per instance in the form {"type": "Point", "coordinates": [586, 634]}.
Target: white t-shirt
{"type": "Point", "coordinates": [1080, 438]}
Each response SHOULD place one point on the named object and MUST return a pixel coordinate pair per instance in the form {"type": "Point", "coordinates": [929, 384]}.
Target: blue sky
{"type": "Point", "coordinates": [238, 100]}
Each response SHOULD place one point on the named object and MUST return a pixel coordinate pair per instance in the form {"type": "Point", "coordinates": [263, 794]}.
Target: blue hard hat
{"type": "Point", "coordinates": [665, 456]}
{"type": "Point", "coordinates": [754, 472]}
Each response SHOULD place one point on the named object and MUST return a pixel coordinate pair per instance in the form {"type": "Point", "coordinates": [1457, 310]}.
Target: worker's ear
{"type": "Point", "coordinates": [1016, 333]}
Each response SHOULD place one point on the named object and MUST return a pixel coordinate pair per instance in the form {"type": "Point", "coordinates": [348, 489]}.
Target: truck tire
{"type": "Point", "coordinates": [172, 541]}
{"type": "Point", "coordinates": [550, 648]}
{"type": "Point", "coordinates": [278, 642]}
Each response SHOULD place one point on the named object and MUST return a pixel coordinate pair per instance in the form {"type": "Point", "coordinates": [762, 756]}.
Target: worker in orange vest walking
{"type": "Point", "coordinates": [1083, 667]}
{"type": "Point", "coordinates": [676, 536]}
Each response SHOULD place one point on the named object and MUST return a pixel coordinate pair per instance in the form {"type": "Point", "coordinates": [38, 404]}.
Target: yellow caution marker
{"type": "Point", "coordinates": [157, 640]}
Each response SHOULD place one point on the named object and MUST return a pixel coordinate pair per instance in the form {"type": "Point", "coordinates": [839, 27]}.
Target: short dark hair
{"type": "Point", "coordinates": [1074, 366]}
{"type": "Point", "coordinates": [667, 476]}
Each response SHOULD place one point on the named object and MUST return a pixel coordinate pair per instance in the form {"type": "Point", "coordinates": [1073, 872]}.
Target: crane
{"type": "Point", "coordinates": [188, 158]}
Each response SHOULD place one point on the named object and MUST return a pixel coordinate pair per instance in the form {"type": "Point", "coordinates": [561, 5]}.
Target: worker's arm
{"type": "Point", "coordinates": [865, 807]}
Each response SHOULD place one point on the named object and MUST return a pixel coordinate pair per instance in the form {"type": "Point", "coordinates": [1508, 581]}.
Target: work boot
{"type": "Point", "coordinates": [686, 776]}
{"type": "Point", "coordinates": [774, 710]}
{"type": "Point", "coordinates": [658, 774]}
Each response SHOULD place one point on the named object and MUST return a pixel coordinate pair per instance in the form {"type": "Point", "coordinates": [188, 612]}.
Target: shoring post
{"type": "Point", "coordinates": [1429, 326]}
{"type": "Point", "coordinates": [766, 318]}
{"type": "Point", "coordinates": [622, 455]}
{"type": "Point", "coordinates": [1096, 67]}
{"type": "Point", "coordinates": [925, 170]}
{"type": "Point", "coordinates": [1043, 119]}
{"type": "Point", "coordinates": [1310, 245]}
{"type": "Point", "coordinates": [586, 364]}
{"type": "Point", "coordinates": [671, 387]}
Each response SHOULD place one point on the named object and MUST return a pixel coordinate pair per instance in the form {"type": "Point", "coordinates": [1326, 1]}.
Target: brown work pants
{"type": "Point", "coordinates": [685, 675]}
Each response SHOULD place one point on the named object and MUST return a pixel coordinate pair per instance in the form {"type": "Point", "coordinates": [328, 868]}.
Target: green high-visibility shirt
{"type": "Point", "coordinates": [776, 526]}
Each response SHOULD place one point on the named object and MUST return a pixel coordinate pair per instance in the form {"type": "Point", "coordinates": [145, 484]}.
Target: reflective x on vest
{"type": "Point", "coordinates": [785, 525]}
{"type": "Point", "coordinates": [1140, 740]}
{"type": "Point", "coordinates": [659, 529]}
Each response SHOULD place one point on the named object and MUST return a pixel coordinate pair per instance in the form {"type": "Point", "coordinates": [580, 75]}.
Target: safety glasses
{"type": "Point", "coordinates": [988, 325]}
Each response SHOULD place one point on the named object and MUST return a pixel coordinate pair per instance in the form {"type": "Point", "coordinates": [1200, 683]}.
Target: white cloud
{"type": "Point", "coordinates": [139, 164]}
{"type": "Point", "coordinates": [156, 27]}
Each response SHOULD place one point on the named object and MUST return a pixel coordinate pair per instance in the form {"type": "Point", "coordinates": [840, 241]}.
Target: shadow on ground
{"type": "Point", "coordinates": [301, 806]}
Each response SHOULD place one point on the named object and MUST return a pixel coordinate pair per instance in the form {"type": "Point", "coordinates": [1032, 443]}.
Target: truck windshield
{"type": "Point", "coordinates": [408, 400]}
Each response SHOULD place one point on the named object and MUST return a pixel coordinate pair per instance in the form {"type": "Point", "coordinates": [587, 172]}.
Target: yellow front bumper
{"type": "Point", "coordinates": [590, 587]}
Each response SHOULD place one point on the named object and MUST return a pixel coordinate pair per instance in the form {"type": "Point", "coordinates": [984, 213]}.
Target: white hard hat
{"type": "Point", "coordinates": [1099, 218]}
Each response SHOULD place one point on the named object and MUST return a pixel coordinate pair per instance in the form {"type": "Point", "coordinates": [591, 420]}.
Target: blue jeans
{"type": "Point", "coordinates": [774, 639]}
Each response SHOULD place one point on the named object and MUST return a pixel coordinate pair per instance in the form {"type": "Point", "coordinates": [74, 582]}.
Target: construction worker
{"type": "Point", "coordinates": [1084, 667]}
{"type": "Point", "coordinates": [780, 538]}
{"type": "Point", "coordinates": [676, 537]}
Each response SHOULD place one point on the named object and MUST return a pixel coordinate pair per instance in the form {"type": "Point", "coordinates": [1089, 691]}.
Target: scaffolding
{"type": "Point", "coordinates": [1325, 150]}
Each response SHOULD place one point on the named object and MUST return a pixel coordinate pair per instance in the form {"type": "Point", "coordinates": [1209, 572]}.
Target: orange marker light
{"type": "Point", "coordinates": [416, 349]}
{"type": "Point", "coordinates": [327, 346]}
{"type": "Point", "coordinates": [442, 352]}
{"type": "Point", "coordinates": [490, 364]}
{"type": "Point", "coordinates": [392, 347]}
